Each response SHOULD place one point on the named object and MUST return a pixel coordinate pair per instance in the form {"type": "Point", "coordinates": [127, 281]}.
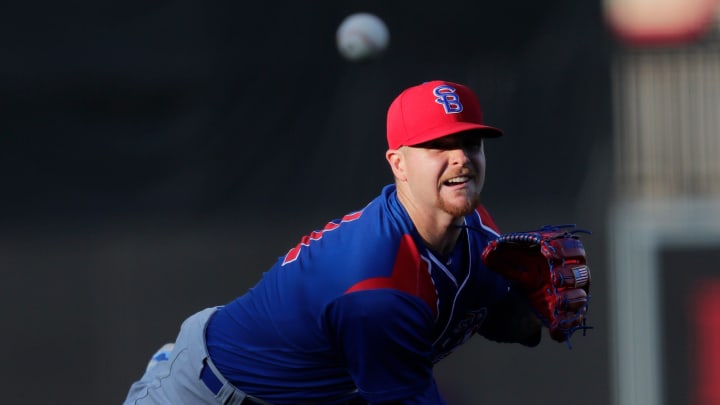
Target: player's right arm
{"type": "Point", "coordinates": [385, 337]}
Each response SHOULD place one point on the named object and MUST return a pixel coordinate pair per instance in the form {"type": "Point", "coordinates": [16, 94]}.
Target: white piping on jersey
{"type": "Point", "coordinates": [442, 267]}
{"type": "Point", "coordinates": [429, 270]}
{"type": "Point", "coordinates": [483, 226]}
{"type": "Point", "coordinates": [459, 290]}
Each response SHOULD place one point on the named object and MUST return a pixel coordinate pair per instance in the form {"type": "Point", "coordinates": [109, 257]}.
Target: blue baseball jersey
{"type": "Point", "coordinates": [360, 304]}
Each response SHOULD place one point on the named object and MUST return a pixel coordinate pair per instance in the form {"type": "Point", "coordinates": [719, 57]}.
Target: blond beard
{"type": "Point", "coordinates": [462, 210]}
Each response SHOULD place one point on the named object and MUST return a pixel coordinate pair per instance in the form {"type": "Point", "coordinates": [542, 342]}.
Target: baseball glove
{"type": "Point", "coordinates": [549, 266]}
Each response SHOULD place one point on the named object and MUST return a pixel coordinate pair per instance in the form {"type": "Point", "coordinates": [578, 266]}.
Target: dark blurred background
{"type": "Point", "coordinates": [157, 157]}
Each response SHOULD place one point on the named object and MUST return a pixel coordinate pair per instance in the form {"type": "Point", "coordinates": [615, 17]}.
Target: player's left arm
{"type": "Point", "coordinates": [512, 320]}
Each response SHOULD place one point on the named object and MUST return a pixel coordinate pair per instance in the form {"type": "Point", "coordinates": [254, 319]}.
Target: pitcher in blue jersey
{"type": "Point", "coordinates": [359, 311]}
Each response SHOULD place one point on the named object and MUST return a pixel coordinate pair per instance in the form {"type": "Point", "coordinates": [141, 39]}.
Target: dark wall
{"type": "Point", "coordinates": [155, 158]}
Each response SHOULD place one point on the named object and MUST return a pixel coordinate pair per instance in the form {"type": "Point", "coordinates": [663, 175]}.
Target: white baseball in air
{"type": "Point", "coordinates": [362, 36]}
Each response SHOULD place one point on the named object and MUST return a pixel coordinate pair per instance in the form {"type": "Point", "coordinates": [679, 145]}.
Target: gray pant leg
{"type": "Point", "coordinates": [177, 380]}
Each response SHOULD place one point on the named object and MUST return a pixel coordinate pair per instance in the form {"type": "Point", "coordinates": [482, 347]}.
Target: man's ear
{"type": "Point", "coordinates": [396, 159]}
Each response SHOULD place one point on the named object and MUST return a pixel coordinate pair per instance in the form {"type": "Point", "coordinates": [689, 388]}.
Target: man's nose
{"type": "Point", "coordinates": [459, 155]}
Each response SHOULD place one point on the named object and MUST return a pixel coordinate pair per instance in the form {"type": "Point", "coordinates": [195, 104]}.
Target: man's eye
{"type": "Point", "coordinates": [435, 145]}
{"type": "Point", "coordinates": [450, 144]}
{"type": "Point", "coordinates": [474, 146]}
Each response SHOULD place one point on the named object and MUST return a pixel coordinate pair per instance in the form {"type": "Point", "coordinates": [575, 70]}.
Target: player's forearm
{"type": "Point", "coordinates": [513, 321]}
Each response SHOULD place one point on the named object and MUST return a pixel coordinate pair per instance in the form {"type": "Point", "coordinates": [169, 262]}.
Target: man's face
{"type": "Point", "coordinates": [447, 173]}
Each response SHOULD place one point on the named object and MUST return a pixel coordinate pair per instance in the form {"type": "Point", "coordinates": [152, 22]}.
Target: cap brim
{"type": "Point", "coordinates": [484, 131]}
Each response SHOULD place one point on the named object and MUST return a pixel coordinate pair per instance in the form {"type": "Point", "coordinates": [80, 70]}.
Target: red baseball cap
{"type": "Point", "coordinates": [433, 110]}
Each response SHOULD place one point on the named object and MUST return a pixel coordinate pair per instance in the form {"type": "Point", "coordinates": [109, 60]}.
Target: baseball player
{"type": "Point", "coordinates": [360, 310]}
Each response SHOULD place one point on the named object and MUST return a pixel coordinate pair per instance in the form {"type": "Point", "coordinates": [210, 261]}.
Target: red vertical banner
{"type": "Point", "coordinates": [705, 306]}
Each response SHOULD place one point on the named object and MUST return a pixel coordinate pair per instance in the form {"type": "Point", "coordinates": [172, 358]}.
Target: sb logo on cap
{"type": "Point", "coordinates": [447, 97]}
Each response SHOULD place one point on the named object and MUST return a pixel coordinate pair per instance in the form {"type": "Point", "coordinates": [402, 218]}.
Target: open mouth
{"type": "Point", "coordinates": [457, 180]}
